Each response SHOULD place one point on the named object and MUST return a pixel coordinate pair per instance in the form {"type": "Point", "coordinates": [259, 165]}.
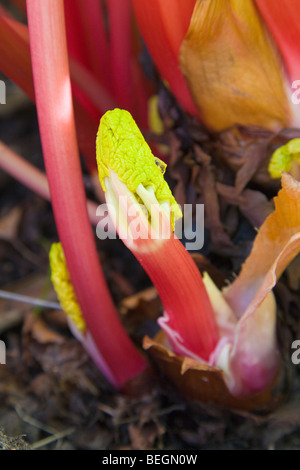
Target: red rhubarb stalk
{"type": "Point", "coordinates": [283, 20]}
{"type": "Point", "coordinates": [183, 294]}
{"type": "Point", "coordinates": [14, 54]}
{"type": "Point", "coordinates": [142, 208]}
{"type": "Point", "coordinates": [91, 87]}
{"type": "Point", "coordinates": [15, 63]}
{"type": "Point", "coordinates": [120, 51]}
{"type": "Point", "coordinates": [163, 25]}
{"type": "Point", "coordinates": [96, 39]}
{"type": "Point", "coordinates": [57, 130]}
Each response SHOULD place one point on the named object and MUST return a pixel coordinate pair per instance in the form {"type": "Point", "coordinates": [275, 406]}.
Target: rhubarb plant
{"type": "Point", "coordinates": [233, 330]}
{"type": "Point", "coordinates": [221, 58]}
{"type": "Point", "coordinates": [144, 212]}
{"type": "Point", "coordinates": [61, 156]}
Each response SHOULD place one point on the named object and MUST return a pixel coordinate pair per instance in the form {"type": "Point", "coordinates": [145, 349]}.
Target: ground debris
{"type": "Point", "coordinates": [12, 443]}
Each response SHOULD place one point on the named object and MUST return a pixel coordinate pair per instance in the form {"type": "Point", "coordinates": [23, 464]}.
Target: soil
{"type": "Point", "coordinates": [52, 396]}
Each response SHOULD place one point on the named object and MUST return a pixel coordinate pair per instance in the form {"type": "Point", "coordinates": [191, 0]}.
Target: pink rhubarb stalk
{"type": "Point", "coordinates": [33, 178]}
{"type": "Point", "coordinates": [57, 130]}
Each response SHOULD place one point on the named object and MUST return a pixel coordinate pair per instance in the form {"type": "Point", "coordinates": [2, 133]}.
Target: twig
{"type": "Point", "coordinates": [29, 300]}
{"type": "Point", "coordinates": [53, 438]}
{"type": "Point", "coordinates": [55, 435]}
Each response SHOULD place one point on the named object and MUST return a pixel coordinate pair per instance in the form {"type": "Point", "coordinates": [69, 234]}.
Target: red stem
{"type": "Point", "coordinates": [96, 40]}
{"type": "Point", "coordinates": [92, 89]}
{"type": "Point", "coordinates": [163, 25]}
{"type": "Point", "coordinates": [74, 32]}
{"type": "Point", "coordinates": [15, 63]}
{"type": "Point", "coordinates": [57, 130]}
{"type": "Point", "coordinates": [76, 47]}
{"type": "Point", "coordinates": [283, 20]}
{"type": "Point", "coordinates": [120, 51]}
{"type": "Point", "coordinates": [14, 53]}
{"type": "Point", "coordinates": [33, 178]}
{"type": "Point", "coordinates": [21, 5]}
{"type": "Point", "coordinates": [183, 294]}
{"type": "Point", "coordinates": [140, 97]}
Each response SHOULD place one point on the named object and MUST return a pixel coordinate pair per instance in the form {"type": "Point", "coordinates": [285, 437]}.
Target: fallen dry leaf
{"type": "Point", "coordinates": [40, 331]}
{"type": "Point", "coordinates": [199, 382]}
{"type": "Point", "coordinates": [254, 205]}
{"type": "Point", "coordinates": [9, 224]}
{"type": "Point", "coordinates": [145, 302]}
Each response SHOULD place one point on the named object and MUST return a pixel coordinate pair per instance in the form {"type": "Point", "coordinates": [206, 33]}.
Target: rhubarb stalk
{"type": "Point", "coordinates": [57, 130]}
{"type": "Point", "coordinates": [96, 39]}
{"type": "Point", "coordinates": [15, 63]}
{"type": "Point", "coordinates": [163, 25]}
{"type": "Point", "coordinates": [121, 51]}
{"type": "Point", "coordinates": [144, 211]}
{"type": "Point", "coordinates": [33, 178]}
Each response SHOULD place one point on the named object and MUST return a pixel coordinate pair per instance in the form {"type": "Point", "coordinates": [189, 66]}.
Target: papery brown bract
{"type": "Point", "coordinates": [202, 383]}
{"type": "Point", "coordinates": [232, 67]}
